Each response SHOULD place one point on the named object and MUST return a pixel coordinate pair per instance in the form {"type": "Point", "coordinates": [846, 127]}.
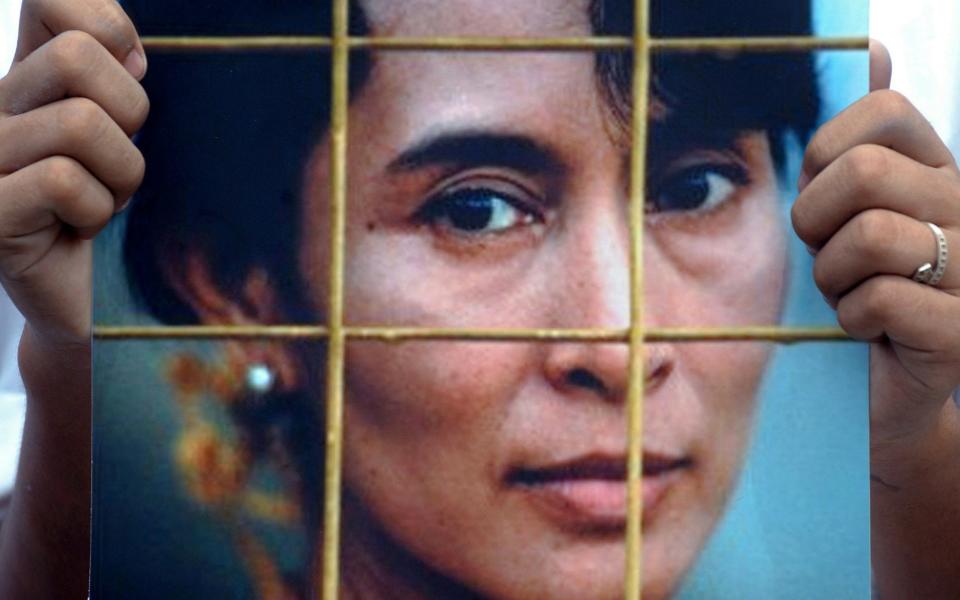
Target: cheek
{"type": "Point", "coordinates": [426, 433]}
{"type": "Point", "coordinates": [725, 377]}
{"type": "Point", "coordinates": [430, 419]}
{"type": "Point", "coordinates": [402, 279]}
{"type": "Point", "coordinates": [431, 388]}
{"type": "Point", "coordinates": [728, 270]}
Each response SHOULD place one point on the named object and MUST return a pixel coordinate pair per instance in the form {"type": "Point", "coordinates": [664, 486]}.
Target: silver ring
{"type": "Point", "coordinates": [932, 274]}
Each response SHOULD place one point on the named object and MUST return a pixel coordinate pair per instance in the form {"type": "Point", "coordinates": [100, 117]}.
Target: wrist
{"type": "Point", "coordinates": [45, 359]}
{"type": "Point", "coordinates": [926, 456]}
{"type": "Point", "coordinates": [57, 378]}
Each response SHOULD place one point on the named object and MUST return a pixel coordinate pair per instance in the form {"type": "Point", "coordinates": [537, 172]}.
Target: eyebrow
{"type": "Point", "coordinates": [473, 148]}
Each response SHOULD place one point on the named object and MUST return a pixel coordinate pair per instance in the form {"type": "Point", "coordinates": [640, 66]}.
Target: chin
{"type": "Point", "coordinates": [600, 575]}
{"type": "Point", "coordinates": [669, 553]}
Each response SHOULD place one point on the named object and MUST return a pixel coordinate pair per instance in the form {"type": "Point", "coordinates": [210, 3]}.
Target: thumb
{"type": "Point", "coordinates": [881, 68]}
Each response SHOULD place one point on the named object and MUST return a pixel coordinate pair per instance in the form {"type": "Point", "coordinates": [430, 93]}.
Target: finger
{"type": "Point", "coordinates": [881, 67]}
{"type": "Point", "coordinates": [918, 317]}
{"type": "Point", "coordinates": [105, 20]}
{"type": "Point", "coordinates": [868, 177]}
{"type": "Point", "coordinates": [55, 189]}
{"type": "Point", "coordinates": [879, 242]}
{"type": "Point", "coordinates": [77, 128]}
{"type": "Point", "coordinates": [883, 118]}
{"type": "Point", "coordinates": [75, 65]}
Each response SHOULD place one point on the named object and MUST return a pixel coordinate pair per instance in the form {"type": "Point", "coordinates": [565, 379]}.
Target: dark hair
{"type": "Point", "coordinates": [229, 135]}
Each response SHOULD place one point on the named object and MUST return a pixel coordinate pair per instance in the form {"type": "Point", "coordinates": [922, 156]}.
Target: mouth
{"type": "Point", "coordinates": [591, 492]}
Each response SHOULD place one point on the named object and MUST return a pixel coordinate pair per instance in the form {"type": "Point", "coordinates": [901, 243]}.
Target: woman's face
{"type": "Point", "coordinates": [490, 190]}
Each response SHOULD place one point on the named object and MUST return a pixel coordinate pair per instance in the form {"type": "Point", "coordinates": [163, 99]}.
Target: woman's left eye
{"type": "Point", "coordinates": [698, 189]}
{"type": "Point", "coordinates": [475, 211]}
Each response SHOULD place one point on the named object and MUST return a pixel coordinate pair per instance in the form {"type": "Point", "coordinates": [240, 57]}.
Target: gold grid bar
{"type": "Point", "coordinates": [210, 332]}
{"type": "Point", "coordinates": [492, 43]}
{"type": "Point", "coordinates": [168, 43]}
{"type": "Point", "coordinates": [336, 340]}
{"type": "Point", "coordinates": [779, 334]}
{"type": "Point", "coordinates": [633, 577]}
{"type": "Point", "coordinates": [279, 42]}
{"type": "Point", "coordinates": [759, 44]}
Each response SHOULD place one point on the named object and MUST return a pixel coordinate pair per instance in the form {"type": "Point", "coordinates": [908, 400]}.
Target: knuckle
{"type": "Point", "coordinates": [80, 121]}
{"type": "Point", "coordinates": [874, 300]}
{"type": "Point", "coordinates": [63, 178]}
{"type": "Point", "coordinates": [872, 233]}
{"type": "Point", "coordinates": [72, 53]}
{"type": "Point", "coordinates": [893, 105]}
{"type": "Point", "coordinates": [865, 168]}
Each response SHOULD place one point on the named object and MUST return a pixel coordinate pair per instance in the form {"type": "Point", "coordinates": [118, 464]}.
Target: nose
{"type": "Point", "coordinates": [601, 371]}
{"type": "Point", "coordinates": [591, 267]}
{"type": "Point", "coordinates": [592, 290]}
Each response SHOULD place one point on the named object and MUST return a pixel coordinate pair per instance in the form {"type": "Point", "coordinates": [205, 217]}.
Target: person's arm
{"type": "Point", "coordinates": [873, 178]}
{"type": "Point", "coordinates": [67, 110]}
{"type": "Point", "coordinates": [915, 498]}
{"type": "Point", "coordinates": [45, 539]}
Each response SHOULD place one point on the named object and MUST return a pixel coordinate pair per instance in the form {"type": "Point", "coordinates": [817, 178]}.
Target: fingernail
{"type": "Point", "coordinates": [812, 250]}
{"type": "Point", "coordinates": [803, 181]}
{"type": "Point", "coordinates": [135, 64]}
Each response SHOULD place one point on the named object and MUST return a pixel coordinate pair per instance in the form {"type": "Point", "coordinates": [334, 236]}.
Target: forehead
{"type": "Point", "coordinates": [442, 89]}
{"type": "Point", "coordinates": [478, 17]}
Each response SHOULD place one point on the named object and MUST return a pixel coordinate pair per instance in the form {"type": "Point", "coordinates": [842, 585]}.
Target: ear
{"type": "Point", "coordinates": [257, 304]}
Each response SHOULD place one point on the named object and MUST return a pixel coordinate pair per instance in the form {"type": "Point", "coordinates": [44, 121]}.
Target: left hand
{"type": "Point", "coordinates": [872, 177]}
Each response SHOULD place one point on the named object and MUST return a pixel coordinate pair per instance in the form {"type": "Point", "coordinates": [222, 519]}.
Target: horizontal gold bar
{"type": "Point", "coordinates": [209, 332]}
{"type": "Point", "coordinates": [759, 44]}
{"type": "Point", "coordinates": [279, 43]}
{"type": "Point", "coordinates": [399, 334]}
{"type": "Point", "coordinates": [492, 43]}
{"type": "Point", "coordinates": [234, 43]}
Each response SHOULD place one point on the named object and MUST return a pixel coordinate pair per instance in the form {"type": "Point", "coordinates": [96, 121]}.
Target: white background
{"type": "Point", "coordinates": [11, 396]}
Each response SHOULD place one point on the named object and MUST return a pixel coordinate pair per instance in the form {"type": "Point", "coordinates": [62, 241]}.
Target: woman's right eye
{"type": "Point", "coordinates": [475, 211]}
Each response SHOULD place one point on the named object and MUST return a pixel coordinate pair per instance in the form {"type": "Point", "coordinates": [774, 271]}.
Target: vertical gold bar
{"type": "Point", "coordinates": [335, 340]}
{"type": "Point", "coordinates": [638, 159]}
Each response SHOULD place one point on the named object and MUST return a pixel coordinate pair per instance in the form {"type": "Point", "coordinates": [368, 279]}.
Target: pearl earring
{"type": "Point", "coordinates": [260, 378]}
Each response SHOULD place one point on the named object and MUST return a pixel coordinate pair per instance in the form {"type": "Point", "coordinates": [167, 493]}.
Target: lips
{"type": "Point", "coordinates": [591, 491]}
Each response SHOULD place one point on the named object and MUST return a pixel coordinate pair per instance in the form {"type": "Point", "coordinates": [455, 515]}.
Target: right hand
{"type": "Point", "coordinates": [68, 108]}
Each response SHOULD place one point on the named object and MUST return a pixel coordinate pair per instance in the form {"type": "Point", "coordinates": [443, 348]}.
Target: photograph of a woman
{"type": "Point", "coordinates": [485, 190]}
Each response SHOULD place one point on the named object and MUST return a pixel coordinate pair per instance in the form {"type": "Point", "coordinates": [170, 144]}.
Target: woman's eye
{"type": "Point", "coordinates": [698, 189]}
{"type": "Point", "coordinates": [475, 211]}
